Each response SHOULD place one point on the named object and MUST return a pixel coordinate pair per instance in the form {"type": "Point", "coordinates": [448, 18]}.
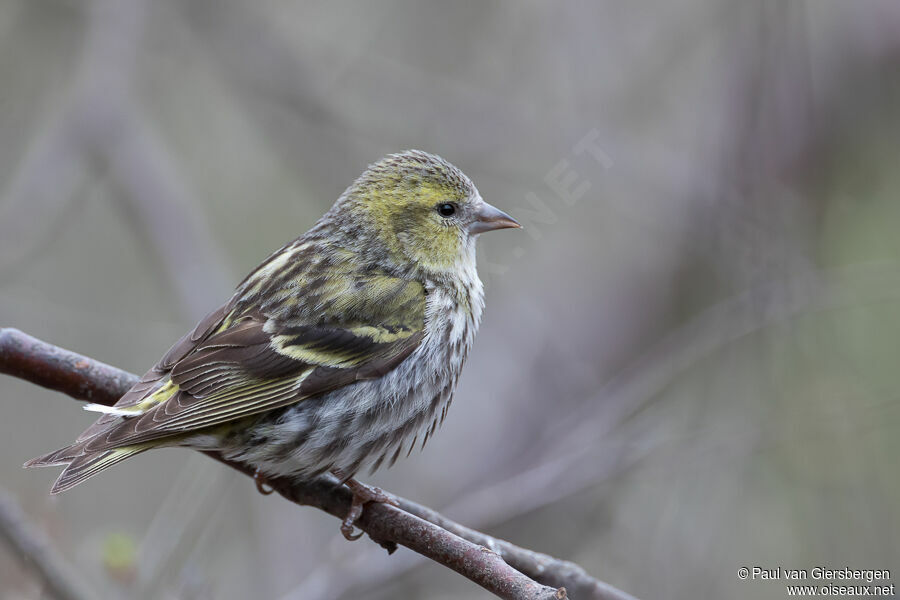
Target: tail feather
{"type": "Point", "coordinates": [63, 456]}
{"type": "Point", "coordinates": [82, 462]}
{"type": "Point", "coordinates": [88, 465]}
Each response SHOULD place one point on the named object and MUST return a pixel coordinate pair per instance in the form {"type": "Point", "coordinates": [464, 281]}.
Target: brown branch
{"type": "Point", "coordinates": [547, 569]}
{"type": "Point", "coordinates": [485, 560]}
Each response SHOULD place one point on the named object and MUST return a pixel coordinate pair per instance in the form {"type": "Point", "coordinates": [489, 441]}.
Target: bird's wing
{"type": "Point", "coordinates": [229, 368]}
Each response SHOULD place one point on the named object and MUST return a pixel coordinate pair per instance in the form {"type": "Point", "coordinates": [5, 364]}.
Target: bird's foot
{"type": "Point", "coordinates": [362, 495]}
{"type": "Point", "coordinates": [262, 485]}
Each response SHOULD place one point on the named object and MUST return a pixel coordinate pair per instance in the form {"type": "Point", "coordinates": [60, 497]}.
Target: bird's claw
{"type": "Point", "coordinates": [261, 483]}
{"type": "Point", "coordinates": [347, 526]}
{"type": "Point", "coordinates": [362, 495]}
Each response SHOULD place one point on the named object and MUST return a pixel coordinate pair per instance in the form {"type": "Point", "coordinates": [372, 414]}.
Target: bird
{"type": "Point", "coordinates": [340, 352]}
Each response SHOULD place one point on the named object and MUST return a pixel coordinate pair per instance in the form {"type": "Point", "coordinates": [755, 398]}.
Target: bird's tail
{"type": "Point", "coordinates": [81, 465]}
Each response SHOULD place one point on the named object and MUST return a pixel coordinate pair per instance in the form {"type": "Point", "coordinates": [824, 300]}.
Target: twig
{"type": "Point", "coordinates": [545, 568]}
{"type": "Point", "coordinates": [473, 554]}
{"type": "Point", "coordinates": [60, 580]}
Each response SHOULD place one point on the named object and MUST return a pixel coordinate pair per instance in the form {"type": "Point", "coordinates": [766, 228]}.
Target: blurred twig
{"type": "Point", "coordinates": [178, 522]}
{"type": "Point", "coordinates": [60, 580]}
{"type": "Point", "coordinates": [155, 198]}
{"type": "Point", "coordinates": [485, 560]}
{"type": "Point", "coordinates": [100, 123]}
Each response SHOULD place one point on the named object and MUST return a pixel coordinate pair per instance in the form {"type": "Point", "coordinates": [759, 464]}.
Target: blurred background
{"type": "Point", "coordinates": [689, 358]}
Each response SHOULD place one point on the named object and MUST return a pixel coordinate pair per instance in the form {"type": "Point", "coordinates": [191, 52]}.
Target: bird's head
{"type": "Point", "coordinates": [420, 209]}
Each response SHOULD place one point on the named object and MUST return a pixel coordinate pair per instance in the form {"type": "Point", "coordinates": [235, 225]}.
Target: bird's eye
{"type": "Point", "coordinates": [447, 209]}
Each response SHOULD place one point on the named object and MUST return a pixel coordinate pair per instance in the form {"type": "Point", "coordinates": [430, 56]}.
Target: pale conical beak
{"type": "Point", "coordinates": [488, 218]}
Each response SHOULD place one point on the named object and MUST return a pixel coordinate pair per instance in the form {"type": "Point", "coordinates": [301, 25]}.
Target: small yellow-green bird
{"type": "Point", "coordinates": [339, 352]}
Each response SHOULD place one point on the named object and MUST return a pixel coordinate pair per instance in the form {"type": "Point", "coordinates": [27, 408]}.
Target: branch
{"type": "Point", "coordinates": [484, 560]}
{"type": "Point", "coordinates": [545, 568]}
{"type": "Point", "coordinates": [60, 579]}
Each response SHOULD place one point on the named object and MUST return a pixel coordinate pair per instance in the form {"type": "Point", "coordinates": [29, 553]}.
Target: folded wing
{"type": "Point", "coordinates": [240, 362]}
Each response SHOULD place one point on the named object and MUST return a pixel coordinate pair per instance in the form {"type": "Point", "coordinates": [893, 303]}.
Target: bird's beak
{"type": "Point", "coordinates": [488, 218]}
